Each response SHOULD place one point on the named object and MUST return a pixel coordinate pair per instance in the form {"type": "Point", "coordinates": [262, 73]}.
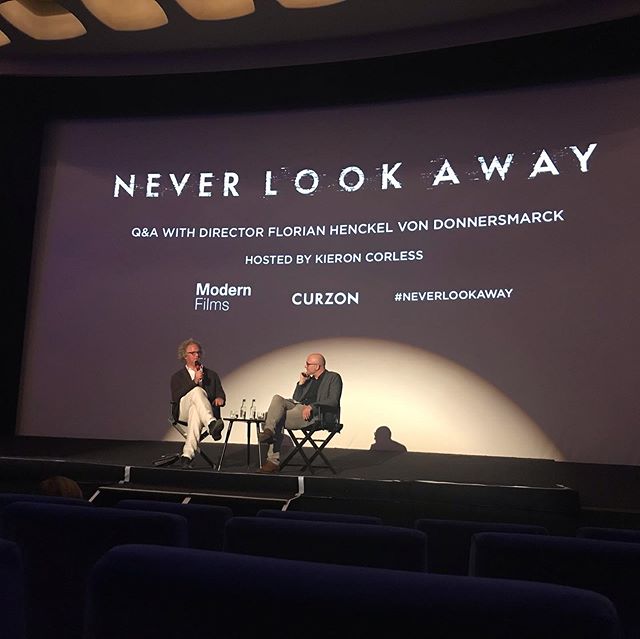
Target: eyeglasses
{"type": "Point", "coordinates": [194, 352]}
{"type": "Point", "coordinates": [311, 364]}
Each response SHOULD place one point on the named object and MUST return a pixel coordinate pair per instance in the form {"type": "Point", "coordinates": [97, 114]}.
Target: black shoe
{"type": "Point", "coordinates": [215, 428]}
{"type": "Point", "coordinates": [184, 463]}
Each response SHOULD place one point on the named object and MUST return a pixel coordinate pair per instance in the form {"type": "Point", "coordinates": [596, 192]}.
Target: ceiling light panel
{"type": "Point", "coordinates": [217, 9]}
{"type": "Point", "coordinates": [42, 19]}
{"type": "Point", "coordinates": [307, 4]}
{"type": "Point", "coordinates": [128, 15]}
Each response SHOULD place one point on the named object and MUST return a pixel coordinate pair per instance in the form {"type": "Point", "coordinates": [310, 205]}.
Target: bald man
{"type": "Point", "coordinates": [316, 386]}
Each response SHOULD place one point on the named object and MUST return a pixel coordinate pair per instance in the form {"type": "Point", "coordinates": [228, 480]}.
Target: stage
{"type": "Point", "coordinates": [399, 487]}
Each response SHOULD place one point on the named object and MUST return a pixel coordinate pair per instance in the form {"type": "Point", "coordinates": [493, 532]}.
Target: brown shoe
{"type": "Point", "coordinates": [269, 467]}
{"type": "Point", "coordinates": [265, 436]}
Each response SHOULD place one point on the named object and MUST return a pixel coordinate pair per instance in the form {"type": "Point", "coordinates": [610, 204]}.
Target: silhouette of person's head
{"type": "Point", "coordinates": [382, 434]}
{"type": "Point", "coordinates": [59, 486]}
{"type": "Point", "coordinates": [383, 441]}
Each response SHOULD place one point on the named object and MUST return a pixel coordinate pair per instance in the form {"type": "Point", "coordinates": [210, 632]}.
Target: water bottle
{"type": "Point", "coordinates": [243, 409]}
{"type": "Point", "coordinates": [252, 410]}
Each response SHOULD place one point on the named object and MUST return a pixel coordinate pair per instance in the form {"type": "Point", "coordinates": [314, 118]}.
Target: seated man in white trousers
{"type": "Point", "coordinates": [316, 386]}
{"type": "Point", "coordinates": [196, 395]}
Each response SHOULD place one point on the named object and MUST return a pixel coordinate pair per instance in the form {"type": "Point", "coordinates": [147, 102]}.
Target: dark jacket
{"type": "Point", "coordinates": [329, 393]}
{"type": "Point", "coordinates": [181, 384]}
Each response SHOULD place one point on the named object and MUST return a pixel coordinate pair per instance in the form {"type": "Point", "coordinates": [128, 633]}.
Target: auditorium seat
{"type": "Point", "coordinates": [609, 534]}
{"type": "Point", "coordinates": [328, 542]}
{"type": "Point", "coordinates": [610, 568]}
{"type": "Point", "coordinates": [12, 498]}
{"type": "Point", "coordinates": [12, 619]}
{"type": "Point", "coordinates": [318, 516]}
{"type": "Point", "coordinates": [449, 541]}
{"type": "Point", "coordinates": [130, 597]}
{"type": "Point", "coordinates": [206, 522]}
{"type": "Point", "coordinates": [60, 544]}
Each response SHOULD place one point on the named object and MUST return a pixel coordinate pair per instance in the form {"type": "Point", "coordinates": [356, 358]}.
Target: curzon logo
{"type": "Point", "coordinates": [326, 298]}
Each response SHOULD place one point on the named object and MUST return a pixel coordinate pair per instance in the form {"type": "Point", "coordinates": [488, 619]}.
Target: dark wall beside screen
{"type": "Point", "coordinates": [549, 60]}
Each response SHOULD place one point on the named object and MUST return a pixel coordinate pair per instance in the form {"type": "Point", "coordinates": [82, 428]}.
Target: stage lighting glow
{"type": "Point", "coordinates": [455, 410]}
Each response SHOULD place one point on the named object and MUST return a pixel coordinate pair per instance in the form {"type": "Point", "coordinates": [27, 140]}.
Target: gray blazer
{"type": "Point", "coordinates": [329, 393]}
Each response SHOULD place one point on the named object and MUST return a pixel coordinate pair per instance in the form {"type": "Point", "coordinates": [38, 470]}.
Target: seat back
{"type": "Point", "coordinates": [315, 516]}
{"type": "Point", "coordinates": [11, 498]}
{"type": "Point", "coordinates": [450, 541]}
{"type": "Point", "coordinates": [12, 615]}
{"type": "Point", "coordinates": [608, 567]}
{"type": "Point", "coordinates": [206, 522]}
{"type": "Point", "coordinates": [130, 598]}
{"type": "Point", "coordinates": [173, 412]}
{"type": "Point", "coordinates": [609, 534]}
{"type": "Point", "coordinates": [328, 542]}
{"type": "Point", "coordinates": [328, 417]}
{"type": "Point", "coordinates": [60, 544]}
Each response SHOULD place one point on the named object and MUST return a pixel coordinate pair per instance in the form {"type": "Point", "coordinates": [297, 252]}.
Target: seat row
{"type": "Point", "coordinates": [218, 594]}
{"type": "Point", "coordinates": [61, 542]}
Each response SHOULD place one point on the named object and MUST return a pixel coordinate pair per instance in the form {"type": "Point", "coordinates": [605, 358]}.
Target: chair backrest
{"type": "Point", "coordinates": [608, 567]}
{"type": "Point", "coordinates": [11, 498]}
{"type": "Point", "coordinates": [610, 534]}
{"type": "Point", "coordinates": [12, 613]}
{"type": "Point", "coordinates": [206, 522]}
{"type": "Point", "coordinates": [318, 516]}
{"type": "Point", "coordinates": [131, 597]}
{"type": "Point", "coordinates": [450, 541]}
{"type": "Point", "coordinates": [328, 542]}
{"type": "Point", "coordinates": [60, 544]}
{"type": "Point", "coordinates": [328, 417]}
{"type": "Point", "coordinates": [173, 412]}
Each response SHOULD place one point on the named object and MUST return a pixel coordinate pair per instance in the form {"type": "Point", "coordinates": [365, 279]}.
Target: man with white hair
{"type": "Point", "coordinates": [196, 396]}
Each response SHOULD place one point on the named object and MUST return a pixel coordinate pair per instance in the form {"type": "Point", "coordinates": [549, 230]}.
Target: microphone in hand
{"type": "Point", "coordinates": [199, 372]}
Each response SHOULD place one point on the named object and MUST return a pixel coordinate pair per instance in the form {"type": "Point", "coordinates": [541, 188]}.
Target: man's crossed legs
{"type": "Point", "coordinates": [197, 412]}
{"type": "Point", "coordinates": [283, 413]}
